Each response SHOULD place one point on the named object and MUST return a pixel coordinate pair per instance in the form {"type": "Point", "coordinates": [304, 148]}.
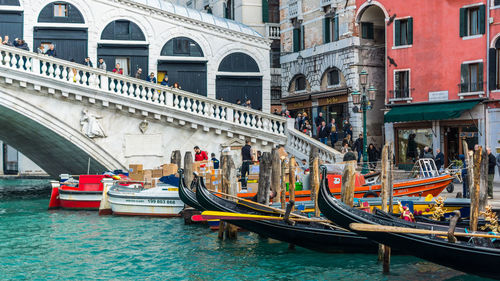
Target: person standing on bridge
{"type": "Point", "coordinates": [199, 155]}
{"type": "Point", "coordinates": [87, 62]}
{"type": "Point", "coordinates": [51, 52]}
{"type": "Point", "coordinates": [118, 69]}
{"type": "Point", "coordinates": [101, 64]}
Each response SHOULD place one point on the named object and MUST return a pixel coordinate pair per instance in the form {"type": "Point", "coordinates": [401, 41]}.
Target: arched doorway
{"type": "Point", "coordinates": [372, 27]}
{"type": "Point", "coordinates": [130, 56]}
{"type": "Point", "coordinates": [182, 60]}
{"type": "Point", "coordinates": [69, 40]}
{"type": "Point", "coordinates": [11, 19]}
{"type": "Point", "coordinates": [239, 78]}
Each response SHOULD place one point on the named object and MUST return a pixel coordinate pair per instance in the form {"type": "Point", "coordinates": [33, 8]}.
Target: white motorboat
{"type": "Point", "coordinates": [134, 200]}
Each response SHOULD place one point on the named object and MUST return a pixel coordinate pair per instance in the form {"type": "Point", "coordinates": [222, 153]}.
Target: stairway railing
{"type": "Point", "coordinates": [300, 145]}
{"type": "Point", "coordinates": [93, 78]}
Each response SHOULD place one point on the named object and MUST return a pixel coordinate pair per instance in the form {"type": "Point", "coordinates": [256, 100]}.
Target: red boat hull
{"type": "Point", "coordinates": [84, 205]}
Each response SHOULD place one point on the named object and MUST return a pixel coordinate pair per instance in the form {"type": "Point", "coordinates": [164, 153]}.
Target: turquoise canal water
{"type": "Point", "coordinates": [36, 244]}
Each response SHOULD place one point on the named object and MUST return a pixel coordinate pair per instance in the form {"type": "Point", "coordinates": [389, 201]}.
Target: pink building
{"type": "Point", "coordinates": [442, 78]}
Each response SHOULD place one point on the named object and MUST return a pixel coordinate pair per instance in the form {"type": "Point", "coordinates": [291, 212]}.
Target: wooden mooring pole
{"type": "Point", "coordinates": [228, 187]}
{"type": "Point", "coordinates": [283, 183]}
{"type": "Point", "coordinates": [176, 158]}
{"type": "Point", "coordinates": [314, 180]}
{"type": "Point", "coordinates": [348, 183]}
{"type": "Point", "coordinates": [276, 175]}
{"type": "Point", "coordinates": [291, 184]}
{"type": "Point", "coordinates": [265, 170]}
{"type": "Point", "coordinates": [188, 168]}
{"type": "Point", "coordinates": [384, 253]}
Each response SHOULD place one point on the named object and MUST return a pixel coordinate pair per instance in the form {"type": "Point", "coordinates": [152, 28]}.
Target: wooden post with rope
{"type": "Point", "coordinates": [275, 175]}
{"type": "Point", "coordinates": [474, 194]}
{"type": "Point", "coordinates": [291, 184]}
{"type": "Point", "coordinates": [314, 181]}
{"type": "Point", "coordinates": [228, 182]}
{"type": "Point", "coordinates": [188, 168]}
{"type": "Point", "coordinates": [283, 183]}
{"type": "Point", "coordinates": [384, 252]}
{"type": "Point", "coordinates": [348, 183]}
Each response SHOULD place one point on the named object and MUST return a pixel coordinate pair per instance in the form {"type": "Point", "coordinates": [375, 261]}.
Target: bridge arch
{"type": "Point", "coordinates": [52, 144]}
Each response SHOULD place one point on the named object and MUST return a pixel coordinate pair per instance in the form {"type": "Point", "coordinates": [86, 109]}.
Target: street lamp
{"type": "Point", "coordinates": [363, 99]}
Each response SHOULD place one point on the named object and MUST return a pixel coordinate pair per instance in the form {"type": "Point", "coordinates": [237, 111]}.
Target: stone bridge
{"type": "Point", "coordinates": [67, 117]}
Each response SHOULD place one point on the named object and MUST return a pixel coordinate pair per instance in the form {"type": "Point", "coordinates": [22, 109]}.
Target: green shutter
{"type": "Point", "coordinates": [296, 40]}
{"type": "Point", "coordinates": [482, 19]}
{"type": "Point", "coordinates": [464, 78]}
{"type": "Point", "coordinates": [463, 22]}
{"type": "Point", "coordinates": [480, 76]}
{"type": "Point", "coordinates": [326, 30]}
{"type": "Point", "coordinates": [224, 5]}
{"type": "Point", "coordinates": [397, 33]}
{"type": "Point", "coordinates": [410, 31]}
{"type": "Point", "coordinates": [301, 37]}
{"type": "Point", "coordinates": [336, 23]}
{"type": "Point", "coordinates": [265, 11]}
{"type": "Point", "coordinates": [369, 33]}
{"type": "Point", "coordinates": [492, 69]}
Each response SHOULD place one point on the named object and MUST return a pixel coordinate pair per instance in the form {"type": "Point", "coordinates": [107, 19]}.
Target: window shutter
{"type": "Point", "coordinates": [369, 31]}
{"type": "Point", "coordinates": [397, 33]}
{"type": "Point", "coordinates": [296, 40]}
{"type": "Point", "coordinates": [326, 30]}
{"type": "Point", "coordinates": [265, 11]}
{"type": "Point", "coordinates": [492, 69]}
{"type": "Point", "coordinates": [224, 6]}
{"type": "Point", "coordinates": [302, 37]}
{"type": "Point", "coordinates": [336, 23]}
{"type": "Point", "coordinates": [464, 78]}
{"type": "Point", "coordinates": [463, 22]}
{"type": "Point", "coordinates": [480, 77]}
{"type": "Point", "coordinates": [482, 19]}
{"type": "Point", "coordinates": [410, 31]}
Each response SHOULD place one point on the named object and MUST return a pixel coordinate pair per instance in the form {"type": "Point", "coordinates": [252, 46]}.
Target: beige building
{"type": "Point", "coordinates": [323, 50]}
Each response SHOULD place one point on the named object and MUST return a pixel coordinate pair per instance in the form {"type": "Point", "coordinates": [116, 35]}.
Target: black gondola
{"type": "Point", "coordinates": [311, 235]}
{"type": "Point", "coordinates": [475, 256]}
{"type": "Point", "coordinates": [187, 195]}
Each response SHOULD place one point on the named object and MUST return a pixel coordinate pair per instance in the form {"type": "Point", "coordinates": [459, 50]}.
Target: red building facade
{"type": "Point", "coordinates": [442, 78]}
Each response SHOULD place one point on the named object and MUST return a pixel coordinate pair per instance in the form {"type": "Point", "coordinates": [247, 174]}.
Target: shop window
{"type": "Point", "coordinates": [411, 143]}
{"type": "Point", "coordinates": [300, 84]}
{"type": "Point", "coordinates": [401, 84]}
{"type": "Point", "coordinates": [472, 21]}
{"type": "Point", "coordinates": [367, 30]}
{"type": "Point", "coordinates": [403, 32]}
{"type": "Point", "coordinates": [333, 77]}
{"type": "Point", "coordinates": [471, 77]}
{"type": "Point", "coordinates": [60, 10]}
{"type": "Point", "coordinates": [330, 29]}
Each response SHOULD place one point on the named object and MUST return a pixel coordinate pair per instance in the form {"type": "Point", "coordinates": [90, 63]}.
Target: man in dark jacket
{"type": "Point", "coordinates": [358, 146]}
{"type": "Point", "coordinates": [323, 133]}
{"type": "Point", "coordinates": [19, 43]}
{"type": "Point", "coordinates": [333, 133]}
{"type": "Point", "coordinates": [87, 62]}
{"type": "Point", "coordinates": [439, 159]}
{"type": "Point", "coordinates": [246, 156]}
{"type": "Point", "coordinates": [491, 171]}
{"type": "Point", "coordinates": [51, 52]}
{"type": "Point", "coordinates": [318, 120]}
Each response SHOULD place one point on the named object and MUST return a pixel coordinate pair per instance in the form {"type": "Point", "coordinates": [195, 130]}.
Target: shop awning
{"type": "Point", "coordinates": [426, 112]}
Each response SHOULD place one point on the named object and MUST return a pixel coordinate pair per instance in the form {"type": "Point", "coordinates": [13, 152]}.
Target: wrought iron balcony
{"type": "Point", "coordinates": [471, 87]}
{"type": "Point", "coordinates": [401, 93]}
{"type": "Point", "coordinates": [273, 30]}
{"type": "Point", "coordinates": [326, 2]}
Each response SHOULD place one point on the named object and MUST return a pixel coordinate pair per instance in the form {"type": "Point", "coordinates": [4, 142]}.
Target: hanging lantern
{"type": "Point", "coordinates": [356, 97]}
{"type": "Point", "coordinates": [372, 93]}
{"type": "Point", "coordinates": [363, 78]}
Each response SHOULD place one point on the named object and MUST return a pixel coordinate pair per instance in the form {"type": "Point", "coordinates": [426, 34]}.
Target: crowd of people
{"type": "Point", "coordinates": [50, 50]}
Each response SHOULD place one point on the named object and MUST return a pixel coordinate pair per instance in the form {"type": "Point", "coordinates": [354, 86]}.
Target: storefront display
{"type": "Point", "coordinates": [410, 143]}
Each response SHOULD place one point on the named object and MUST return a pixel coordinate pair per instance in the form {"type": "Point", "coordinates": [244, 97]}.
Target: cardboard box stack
{"type": "Point", "coordinates": [151, 177]}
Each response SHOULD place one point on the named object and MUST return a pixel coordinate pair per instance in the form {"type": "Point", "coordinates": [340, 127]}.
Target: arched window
{"type": "Point", "coordinates": [238, 62]}
{"type": "Point", "coordinates": [298, 84]}
{"type": "Point", "coordinates": [181, 46]}
{"type": "Point", "coordinates": [60, 12]}
{"type": "Point", "coordinates": [122, 30]}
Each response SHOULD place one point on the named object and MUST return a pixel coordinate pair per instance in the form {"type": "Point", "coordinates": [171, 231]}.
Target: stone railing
{"type": "Point", "coordinates": [140, 91]}
{"type": "Point", "coordinates": [300, 145]}
{"type": "Point", "coordinates": [294, 8]}
{"type": "Point", "coordinates": [273, 30]}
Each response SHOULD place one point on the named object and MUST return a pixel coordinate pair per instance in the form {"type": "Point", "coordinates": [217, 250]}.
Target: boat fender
{"type": "Point", "coordinates": [370, 194]}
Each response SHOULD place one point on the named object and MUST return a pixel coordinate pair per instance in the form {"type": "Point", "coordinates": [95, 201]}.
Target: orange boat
{"type": "Point", "coordinates": [427, 181]}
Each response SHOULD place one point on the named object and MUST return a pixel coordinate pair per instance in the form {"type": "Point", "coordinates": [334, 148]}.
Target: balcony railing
{"type": "Point", "coordinates": [471, 87]}
{"type": "Point", "coordinates": [273, 30]}
{"type": "Point", "coordinates": [401, 93]}
{"type": "Point", "coordinates": [294, 8]}
{"type": "Point", "coordinates": [275, 77]}
{"type": "Point", "coordinates": [326, 2]}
